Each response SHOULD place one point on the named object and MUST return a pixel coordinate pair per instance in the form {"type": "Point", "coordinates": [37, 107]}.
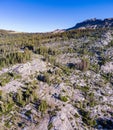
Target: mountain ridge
{"type": "Point", "coordinates": [93, 24]}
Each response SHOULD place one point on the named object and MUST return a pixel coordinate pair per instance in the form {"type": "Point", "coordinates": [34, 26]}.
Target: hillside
{"type": "Point", "coordinates": [57, 81]}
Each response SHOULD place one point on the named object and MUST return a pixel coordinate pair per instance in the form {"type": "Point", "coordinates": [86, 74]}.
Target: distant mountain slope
{"type": "Point", "coordinates": [93, 24]}
{"type": "Point", "coordinates": [3, 31]}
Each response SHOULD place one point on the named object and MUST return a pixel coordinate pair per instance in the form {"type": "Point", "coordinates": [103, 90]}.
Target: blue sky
{"type": "Point", "coordinates": [48, 15]}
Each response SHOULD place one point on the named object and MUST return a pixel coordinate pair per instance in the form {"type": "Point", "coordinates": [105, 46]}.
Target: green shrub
{"type": "Point", "coordinates": [86, 118]}
{"type": "Point", "coordinates": [43, 106]}
{"type": "Point", "coordinates": [0, 94]}
{"type": "Point", "coordinates": [28, 113]}
{"type": "Point", "coordinates": [15, 57]}
{"type": "Point", "coordinates": [50, 126]}
{"type": "Point", "coordinates": [44, 77]}
{"type": "Point", "coordinates": [63, 98]}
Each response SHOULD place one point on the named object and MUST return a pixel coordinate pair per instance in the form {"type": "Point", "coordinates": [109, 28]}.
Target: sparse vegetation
{"type": "Point", "coordinates": [7, 77]}
{"type": "Point", "coordinates": [70, 82]}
